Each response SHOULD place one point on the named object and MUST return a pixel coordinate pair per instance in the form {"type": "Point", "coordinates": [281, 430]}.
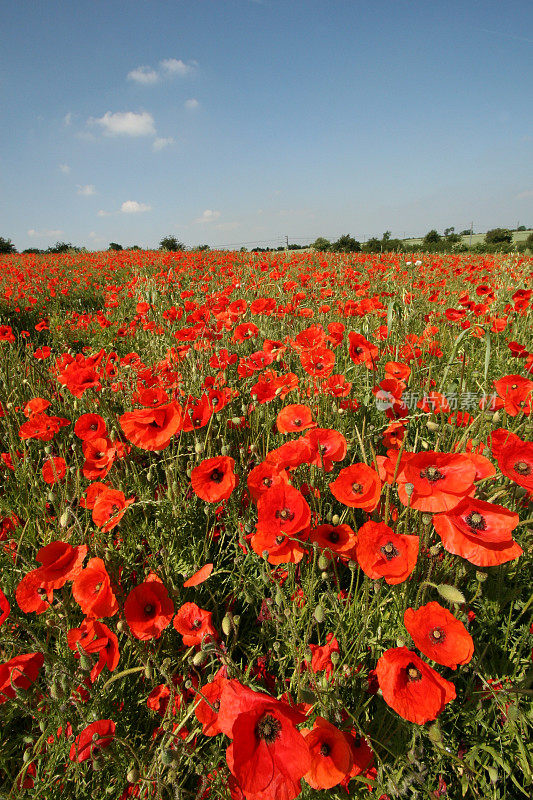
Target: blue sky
{"type": "Point", "coordinates": [236, 121]}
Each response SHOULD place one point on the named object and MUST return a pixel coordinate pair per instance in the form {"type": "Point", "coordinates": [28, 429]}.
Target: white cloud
{"type": "Point", "coordinates": [192, 104]}
{"type": "Point", "coordinates": [133, 207]}
{"type": "Point", "coordinates": [65, 169]}
{"type": "Point", "coordinates": [208, 216]}
{"type": "Point", "coordinates": [44, 234]}
{"type": "Point", "coordinates": [161, 143]}
{"type": "Point", "coordinates": [87, 190]}
{"type": "Point", "coordinates": [145, 75]}
{"type": "Point", "coordinates": [125, 123]}
{"type": "Point", "coordinates": [67, 119]}
{"type": "Point", "coordinates": [175, 66]}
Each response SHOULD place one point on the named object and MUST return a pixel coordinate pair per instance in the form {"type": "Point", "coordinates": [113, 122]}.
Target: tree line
{"type": "Point", "coordinates": [495, 240]}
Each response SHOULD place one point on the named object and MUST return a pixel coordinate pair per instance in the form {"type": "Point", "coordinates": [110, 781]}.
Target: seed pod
{"type": "Point", "coordinates": [426, 519]}
{"type": "Point", "coordinates": [133, 775]}
{"type": "Point", "coordinates": [226, 625]}
{"type": "Point", "coordinates": [481, 576]}
{"type": "Point", "coordinates": [279, 597]}
{"type": "Point", "coordinates": [167, 757]}
{"type": "Point", "coordinates": [450, 593]}
{"type": "Point", "coordinates": [122, 626]}
{"type": "Point", "coordinates": [319, 614]}
{"type": "Point", "coordinates": [432, 426]}
{"type": "Point", "coordinates": [409, 489]}
{"type": "Point", "coordinates": [335, 519]}
{"type": "Point", "coordinates": [335, 658]}
{"type": "Point", "coordinates": [148, 671]}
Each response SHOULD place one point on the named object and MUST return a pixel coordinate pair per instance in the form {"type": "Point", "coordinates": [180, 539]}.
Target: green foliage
{"type": "Point", "coordinates": [499, 236]}
{"type": "Point", "coordinates": [432, 238]}
{"type": "Point", "coordinates": [114, 246]}
{"type": "Point", "coordinates": [171, 244]}
{"type": "Point", "coordinates": [6, 246]}
{"type": "Point", "coordinates": [321, 244]}
{"type": "Point", "coordinates": [346, 244]}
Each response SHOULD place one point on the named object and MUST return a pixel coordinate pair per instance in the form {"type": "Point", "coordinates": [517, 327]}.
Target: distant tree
{"type": "Point", "coordinates": [33, 250]}
{"type": "Point", "coordinates": [63, 247]}
{"type": "Point", "coordinates": [521, 228]}
{"type": "Point", "coordinates": [203, 248]}
{"type": "Point", "coordinates": [346, 244]}
{"type": "Point", "coordinates": [134, 247]}
{"type": "Point", "coordinates": [114, 246]}
{"type": "Point", "coordinates": [529, 242]}
{"type": "Point", "coordinates": [498, 236]}
{"type": "Point", "coordinates": [432, 237]}
{"type": "Point", "coordinates": [321, 244]}
{"type": "Point", "coordinates": [373, 245]}
{"type": "Point", "coordinates": [243, 250]}
{"type": "Point", "coordinates": [7, 246]}
{"type": "Point", "coordinates": [450, 236]}
{"type": "Point", "coordinates": [466, 232]}
{"type": "Point", "coordinates": [171, 244]}
{"type": "Point", "coordinates": [386, 237]}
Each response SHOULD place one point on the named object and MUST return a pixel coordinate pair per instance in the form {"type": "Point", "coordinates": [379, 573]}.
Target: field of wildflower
{"type": "Point", "coordinates": [265, 526]}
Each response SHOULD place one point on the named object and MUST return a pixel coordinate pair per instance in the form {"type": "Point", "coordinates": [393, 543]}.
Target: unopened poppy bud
{"type": "Point", "coordinates": [167, 757]}
{"type": "Point", "coordinates": [496, 417]}
{"type": "Point", "coordinates": [51, 497]}
{"type": "Point", "coordinates": [236, 420]}
{"type": "Point", "coordinates": [63, 519]}
{"type": "Point", "coordinates": [335, 519]}
{"type": "Point", "coordinates": [56, 692]}
{"type": "Point", "coordinates": [122, 626]}
{"type": "Point", "coordinates": [236, 621]}
{"type": "Point", "coordinates": [42, 726]}
{"type": "Point", "coordinates": [319, 614]}
{"type": "Point", "coordinates": [434, 733]}
{"type": "Point", "coordinates": [199, 447]}
{"type": "Point", "coordinates": [86, 661]}
{"type": "Point", "coordinates": [352, 565]}
{"type": "Point", "coordinates": [226, 625]}
{"type": "Point", "coordinates": [199, 659]}
{"type": "Point", "coordinates": [224, 450]}
{"type": "Point", "coordinates": [133, 775]}
{"type": "Point", "coordinates": [324, 576]}
{"type": "Point", "coordinates": [425, 444]}
{"type": "Point", "coordinates": [63, 681]}
{"type": "Point", "coordinates": [323, 563]}
{"type": "Point", "coordinates": [27, 756]}
{"type": "Point", "coordinates": [409, 489]}
{"type": "Point", "coordinates": [450, 593]}
{"type": "Point", "coordinates": [335, 658]}
{"type": "Point", "coordinates": [47, 449]}
{"type": "Point", "coordinates": [432, 426]}
{"type": "Point", "coordinates": [426, 519]}
{"type": "Point", "coordinates": [148, 671]}
{"type": "Point", "coordinates": [149, 476]}
{"type": "Point", "coordinates": [279, 597]}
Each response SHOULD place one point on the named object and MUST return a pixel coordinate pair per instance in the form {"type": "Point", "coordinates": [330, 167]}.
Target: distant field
{"type": "Point", "coordinates": [477, 238]}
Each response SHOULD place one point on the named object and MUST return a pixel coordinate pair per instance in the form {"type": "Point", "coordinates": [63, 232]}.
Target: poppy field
{"type": "Point", "coordinates": [266, 526]}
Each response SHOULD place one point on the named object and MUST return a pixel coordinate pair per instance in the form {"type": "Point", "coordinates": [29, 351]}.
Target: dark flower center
{"type": "Point", "coordinates": [322, 448]}
{"type": "Point", "coordinates": [358, 351]}
{"type": "Point", "coordinates": [98, 587]}
{"type": "Point", "coordinates": [217, 476]}
{"type": "Point", "coordinates": [522, 467]}
{"type": "Point", "coordinates": [432, 474]}
{"type": "Point", "coordinates": [476, 521]}
{"type": "Point", "coordinates": [437, 635]}
{"type": "Point", "coordinates": [268, 728]}
{"type": "Point", "coordinates": [325, 750]}
{"type": "Point", "coordinates": [389, 551]}
{"type": "Point", "coordinates": [148, 609]}
{"type": "Point", "coordinates": [334, 537]}
{"type": "Point", "coordinates": [197, 623]}
{"type": "Point", "coordinates": [297, 422]}
{"type": "Point", "coordinates": [357, 488]}
{"type": "Point", "coordinates": [93, 427]}
{"type": "Point", "coordinates": [280, 539]}
{"type": "Point", "coordinates": [285, 514]}
{"type": "Point", "coordinates": [413, 673]}
{"type": "Point", "coordinates": [267, 482]}
{"type": "Point", "coordinates": [216, 705]}
{"type": "Point", "coordinates": [319, 365]}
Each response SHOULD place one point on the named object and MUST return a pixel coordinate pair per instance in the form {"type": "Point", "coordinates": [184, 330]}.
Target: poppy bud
{"type": "Point", "coordinates": [226, 625]}
{"type": "Point", "coordinates": [335, 520]}
{"type": "Point", "coordinates": [86, 662]}
{"type": "Point", "coordinates": [224, 450]}
{"type": "Point", "coordinates": [324, 576]}
{"type": "Point", "coordinates": [199, 447]}
{"type": "Point", "coordinates": [167, 757]}
{"type": "Point", "coordinates": [435, 734]}
{"type": "Point", "coordinates": [47, 449]}
{"type": "Point", "coordinates": [122, 626]}
{"type": "Point", "coordinates": [279, 597]}
{"type": "Point", "coordinates": [133, 775]}
{"type": "Point", "coordinates": [496, 417]}
{"type": "Point", "coordinates": [409, 489]}
{"type": "Point", "coordinates": [51, 497]}
{"type": "Point", "coordinates": [352, 565]}
{"type": "Point", "coordinates": [450, 593]}
{"type": "Point", "coordinates": [148, 671]}
{"type": "Point", "coordinates": [319, 614]}
{"type": "Point", "coordinates": [481, 576]}
{"type": "Point", "coordinates": [63, 519]}
{"type": "Point", "coordinates": [431, 425]}
{"type": "Point", "coordinates": [426, 519]}
{"type": "Point", "coordinates": [27, 756]}
{"type": "Point", "coordinates": [42, 726]}
{"type": "Point", "coordinates": [323, 563]}
{"type": "Point", "coordinates": [199, 659]}
{"type": "Point", "coordinates": [236, 621]}
{"type": "Point", "coordinates": [334, 658]}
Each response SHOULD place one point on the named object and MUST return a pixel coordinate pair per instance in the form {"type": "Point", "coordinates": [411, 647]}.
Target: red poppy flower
{"type": "Point", "coordinates": [334, 539]}
{"type": "Point", "coordinates": [109, 508]}
{"type": "Point", "coordinates": [321, 656]}
{"type": "Point", "coordinates": [319, 362]}
{"type": "Point", "coordinates": [199, 577]}
{"type": "Point", "coordinates": [54, 469]}
{"type": "Point", "coordinates": [95, 638]}
{"type": "Point", "coordinates": [331, 757]}
{"type": "Point", "coordinates": [92, 590]}
{"type": "Point", "coordinates": [411, 687]}
{"type": "Point", "coordinates": [517, 394]}
{"type": "Point", "coordinates": [327, 446]}
{"type": "Point", "coordinates": [362, 351]}
{"type": "Point", "coordinates": [33, 593]}
{"type": "Point", "coordinates": [90, 426]}
{"type": "Point", "coordinates": [148, 609]}
{"type": "Point", "coordinates": [194, 623]}
{"type": "Point", "coordinates": [208, 708]}
{"type": "Point", "coordinates": [439, 635]}
{"type": "Point", "coordinates": [439, 481]}
{"type": "Point", "coordinates": [480, 532]}
{"type": "Point", "coordinates": [381, 553]}
{"type": "Point", "coordinates": [281, 548]}
{"type": "Point", "coordinates": [5, 608]}
{"type": "Point", "coordinates": [92, 739]}
{"type": "Point", "coordinates": [152, 428]}
{"type": "Point", "coordinates": [294, 418]}
{"type": "Point", "coordinates": [515, 460]}
{"type": "Point", "coordinates": [398, 371]}
{"type": "Point", "coordinates": [36, 406]}
{"type": "Point", "coordinates": [61, 563]}
{"type": "Point", "coordinates": [358, 486]}
{"type": "Point", "coordinates": [268, 755]}
{"type": "Point", "coordinates": [214, 480]}
{"type": "Point", "coordinates": [291, 454]}
{"type": "Point", "coordinates": [282, 509]}
{"type": "Point", "coordinates": [263, 477]}
{"type": "Point", "coordinates": [196, 413]}
{"type": "Point", "coordinates": [42, 427]}
{"type": "Point", "coordinates": [19, 673]}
